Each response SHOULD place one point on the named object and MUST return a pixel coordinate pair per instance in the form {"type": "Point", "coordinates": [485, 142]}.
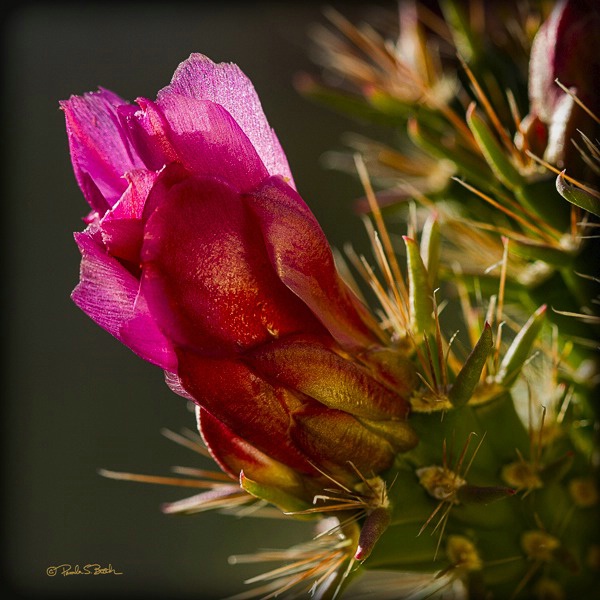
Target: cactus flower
{"type": "Point", "coordinates": [564, 51]}
{"type": "Point", "coordinates": [201, 257]}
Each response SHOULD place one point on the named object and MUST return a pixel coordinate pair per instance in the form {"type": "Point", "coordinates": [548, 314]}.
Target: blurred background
{"type": "Point", "coordinates": [74, 399]}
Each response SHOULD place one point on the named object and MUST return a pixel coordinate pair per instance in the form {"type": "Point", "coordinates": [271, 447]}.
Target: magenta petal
{"type": "Point", "coordinates": [132, 202]}
{"type": "Point", "coordinates": [94, 197]}
{"type": "Point", "coordinates": [206, 274]}
{"type": "Point", "coordinates": [142, 335]}
{"type": "Point", "coordinates": [200, 135]}
{"type": "Point", "coordinates": [300, 254]}
{"type": "Point", "coordinates": [123, 238]}
{"type": "Point", "coordinates": [246, 404]}
{"type": "Point", "coordinates": [121, 227]}
{"type": "Point", "coordinates": [224, 84]}
{"type": "Point", "coordinates": [148, 131]}
{"type": "Point", "coordinates": [99, 149]}
{"type": "Point", "coordinates": [107, 293]}
{"type": "Point", "coordinates": [106, 290]}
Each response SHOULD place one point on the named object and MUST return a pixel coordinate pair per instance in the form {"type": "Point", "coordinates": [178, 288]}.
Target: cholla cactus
{"type": "Point", "coordinates": [445, 436]}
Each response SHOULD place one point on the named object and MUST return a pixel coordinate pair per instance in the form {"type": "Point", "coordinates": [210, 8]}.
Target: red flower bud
{"type": "Point", "coordinates": [564, 49]}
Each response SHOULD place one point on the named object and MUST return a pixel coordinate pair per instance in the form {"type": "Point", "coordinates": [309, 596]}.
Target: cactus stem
{"type": "Point", "coordinates": [443, 484]}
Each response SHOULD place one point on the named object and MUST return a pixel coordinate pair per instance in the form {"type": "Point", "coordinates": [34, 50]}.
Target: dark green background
{"type": "Point", "coordinates": [74, 399]}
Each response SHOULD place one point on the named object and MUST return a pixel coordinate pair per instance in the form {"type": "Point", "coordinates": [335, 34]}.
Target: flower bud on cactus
{"type": "Point", "coordinates": [564, 52]}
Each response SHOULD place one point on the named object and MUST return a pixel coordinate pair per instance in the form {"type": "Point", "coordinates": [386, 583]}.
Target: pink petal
{"type": "Point", "coordinates": [107, 293]}
{"type": "Point", "coordinates": [206, 274]}
{"type": "Point", "coordinates": [122, 226]}
{"type": "Point", "coordinates": [106, 290]}
{"type": "Point", "coordinates": [200, 135]}
{"type": "Point", "coordinates": [132, 202]}
{"type": "Point", "coordinates": [300, 254]}
{"type": "Point", "coordinates": [123, 238]}
{"type": "Point", "coordinates": [99, 149]}
{"type": "Point", "coordinates": [244, 403]}
{"type": "Point", "coordinates": [224, 84]}
{"type": "Point", "coordinates": [93, 196]}
{"type": "Point", "coordinates": [142, 335]}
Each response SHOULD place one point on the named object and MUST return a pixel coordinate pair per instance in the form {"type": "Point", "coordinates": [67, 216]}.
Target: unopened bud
{"type": "Point", "coordinates": [475, 494]}
{"type": "Point", "coordinates": [374, 526]}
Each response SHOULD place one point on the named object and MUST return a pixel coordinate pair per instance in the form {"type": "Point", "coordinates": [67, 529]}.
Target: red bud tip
{"type": "Point", "coordinates": [360, 553]}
